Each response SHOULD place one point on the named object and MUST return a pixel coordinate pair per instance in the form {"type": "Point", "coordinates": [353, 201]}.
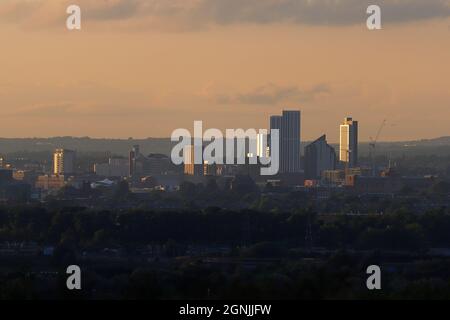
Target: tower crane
{"type": "Point", "coordinates": [373, 144]}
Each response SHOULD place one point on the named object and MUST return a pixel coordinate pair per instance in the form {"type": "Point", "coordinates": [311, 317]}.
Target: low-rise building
{"type": "Point", "coordinates": [50, 182]}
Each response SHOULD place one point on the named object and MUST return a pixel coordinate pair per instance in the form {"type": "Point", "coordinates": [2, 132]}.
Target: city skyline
{"type": "Point", "coordinates": [224, 156]}
{"type": "Point", "coordinates": [129, 74]}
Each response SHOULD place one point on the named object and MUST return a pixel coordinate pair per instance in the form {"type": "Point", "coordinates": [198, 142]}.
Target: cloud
{"type": "Point", "coordinates": [272, 94]}
{"type": "Point", "coordinates": [73, 99]}
{"type": "Point", "coordinates": [66, 109]}
{"type": "Point", "coordinates": [185, 15]}
{"type": "Point", "coordinates": [318, 12]}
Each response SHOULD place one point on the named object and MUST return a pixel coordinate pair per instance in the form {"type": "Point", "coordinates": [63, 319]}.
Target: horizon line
{"type": "Point", "coordinates": [168, 138]}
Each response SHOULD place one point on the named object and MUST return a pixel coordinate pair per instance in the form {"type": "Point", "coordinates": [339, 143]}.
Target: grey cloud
{"type": "Point", "coordinates": [117, 10]}
{"type": "Point", "coordinates": [317, 12]}
{"type": "Point", "coordinates": [272, 94]}
{"type": "Point", "coordinates": [195, 14]}
{"type": "Point", "coordinates": [308, 12]}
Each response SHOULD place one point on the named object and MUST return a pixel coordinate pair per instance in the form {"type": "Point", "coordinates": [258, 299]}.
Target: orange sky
{"type": "Point", "coordinates": [147, 72]}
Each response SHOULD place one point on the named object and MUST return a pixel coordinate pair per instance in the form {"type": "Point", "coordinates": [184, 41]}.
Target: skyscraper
{"type": "Point", "coordinates": [290, 142]}
{"type": "Point", "coordinates": [319, 156]}
{"type": "Point", "coordinates": [289, 126]}
{"type": "Point", "coordinates": [348, 149]}
{"type": "Point", "coordinates": [63, 162]}
{"type": "Point", "coordinates": [261, 145]}
{"type": "Point", "coordinates": [275, 124]}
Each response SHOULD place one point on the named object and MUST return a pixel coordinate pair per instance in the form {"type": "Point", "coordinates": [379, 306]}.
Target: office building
{"type": "Point", "coordinates": [319, 157]}
{"type": "Point", "coordinates": [190, 167]}
{"type": "Point", "coordinates": [262, 148]}
{"type": "Point", "coordinates": [348, 149]}
{"type": "Point", "coordinates": [50, 182]}
{"type": "Point", "coordinates": [157, 164]}
{"type": "Point", "coordinates": [63, 162]}
{"type": "Point", "coordinates": [143, 166]}
{"type": "Point", "coordinates": [333, 177]}
{"type": "Point", "coordinates": [212, 169]}
{"type": "Point", "coordinates": [275, 122]}
{"type": "Point", "coordinates": [116, 167]}
{"type": "Point", "coordinates": [289, 126]}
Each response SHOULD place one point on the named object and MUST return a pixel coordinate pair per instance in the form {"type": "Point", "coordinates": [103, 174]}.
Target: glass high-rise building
{"type": "Point", "coordinates": [348, 142]}
{"type": "Point", "coordinates": [63, 161]}
{"type": "Point", "coordinates": [319, 157]}
{"type": "Point", "coordinates": [289, 126]}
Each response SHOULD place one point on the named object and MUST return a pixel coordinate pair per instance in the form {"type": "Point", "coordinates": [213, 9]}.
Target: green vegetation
{"type": "Point", "coordinates": [280, 255]}
{"type": "Point", "coordinates": [85, 229]}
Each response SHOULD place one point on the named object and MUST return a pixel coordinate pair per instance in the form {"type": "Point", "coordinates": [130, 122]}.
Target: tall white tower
{"type": "Point", "coordinates": [348, 148]}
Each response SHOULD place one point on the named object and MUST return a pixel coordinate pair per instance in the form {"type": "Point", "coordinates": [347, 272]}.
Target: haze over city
{"type": "Point", "coordinates": [145, 68]}
{"type": "Point", "coordinates": [224, 158]}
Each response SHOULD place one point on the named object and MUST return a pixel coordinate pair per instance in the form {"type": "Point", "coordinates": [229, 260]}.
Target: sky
{"type": "Point", "coordinates": [143, 68]}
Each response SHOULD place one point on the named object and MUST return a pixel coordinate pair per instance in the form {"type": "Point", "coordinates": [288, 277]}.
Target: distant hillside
{"type": "Point", "coordinates": [85, 144]}
{"type": "Point", "coordinates": [442, 141]}
{"type": "Point", "coordinates": [438, 146]}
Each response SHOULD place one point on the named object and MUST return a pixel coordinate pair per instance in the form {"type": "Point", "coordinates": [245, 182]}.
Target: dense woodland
{"type": "Point", "coordinates": [81, 228]}
{"type": "Point", "coordinates": [292, 268]}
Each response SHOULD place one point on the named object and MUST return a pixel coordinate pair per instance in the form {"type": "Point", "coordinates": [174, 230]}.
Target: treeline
{"type": "Point", "coordinates": [340, 276]}
{"type": "Point", "coordinates": [83, 228]}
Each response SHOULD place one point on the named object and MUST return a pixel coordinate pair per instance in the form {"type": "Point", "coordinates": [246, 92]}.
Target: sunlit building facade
{"type": "Point", "coordinates": [63, 162]}
{"type": "Point", "coordinates": [348, 142]}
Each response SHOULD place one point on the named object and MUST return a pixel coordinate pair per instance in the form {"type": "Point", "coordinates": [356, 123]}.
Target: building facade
{"type": "Point", "coordinates": [116, 167]}
{"type": "Point", "coordinates": [63, 162]}
{"type": "Point", "coordinates": [319, 157]}
{"type": "Point", "coordinates": [190, 167]}
{"type": "Point", "coordinates": [289, 126]}
{"type": "Point", "coordinates": [50, 182]}
{"type": "Point", "coordinates": [262, 149]}
{"type": "Point", "coordinates": [348, 142]}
